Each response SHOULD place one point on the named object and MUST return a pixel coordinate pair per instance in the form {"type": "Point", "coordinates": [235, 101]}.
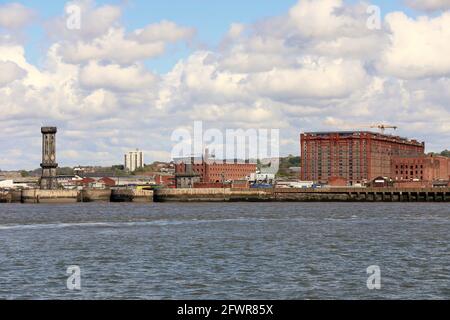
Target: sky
{"type": "Point", "coordinates": [133, 72]}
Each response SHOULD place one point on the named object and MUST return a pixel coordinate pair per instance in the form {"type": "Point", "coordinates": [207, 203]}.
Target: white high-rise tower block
{"type": "Point", "coordinates": [134, 160]}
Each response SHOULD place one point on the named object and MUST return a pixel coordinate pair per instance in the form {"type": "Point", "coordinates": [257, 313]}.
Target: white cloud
{"type": "Point", "coordinates": [320, 78]}
{"type": "Point", "coordinates": [419, 47]}
{"type": "Point", "coordinates": [164, 31]}
{"type": "Point", "coordinates": [197, 80]}
{"type": "Point", "coordinates": [15, 15]}
{"type": "Point", "coordinates": [429, 5]}
{"type": "Point", "coordinates": [119, 47]}
{"type": "Point", "coordinates": [95, 21]}
{"type": "Point", "coordinates": [114, 46]}
{"type": "Point", "coordinates": [236, 30]}
{"type": "Point", "coordinates": [316, 67]}
{"type": "Point", "coordinates": [114, 77]}
{"type": "Point", "coordinates": [102, 37]}
{"type": "Point", "coordinates": [318, 18]}
{"type": "Point", "coordinates": [9, 72]}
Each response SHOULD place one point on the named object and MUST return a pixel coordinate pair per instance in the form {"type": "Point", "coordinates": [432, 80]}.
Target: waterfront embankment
{"type": "Point", "coordinates": [5, 196]}
{"type": "Point", "coordinates": [74, 196]}
{"type": "Point", "coordinates": [231, 195]}
{"type": "Point", "coordinates": [305, 195]}
{"type": "Point", "coordinates": [49, 196]}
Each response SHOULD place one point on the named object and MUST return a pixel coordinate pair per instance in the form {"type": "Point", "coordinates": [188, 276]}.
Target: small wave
{"type": "Point", "coordinates": [52, 225]}
{"type": "Point", "coordinates": [119, 224]}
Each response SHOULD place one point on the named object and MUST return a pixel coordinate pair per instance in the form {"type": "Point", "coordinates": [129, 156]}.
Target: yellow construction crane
{"type": "Point", "coordinates": [383, 127]}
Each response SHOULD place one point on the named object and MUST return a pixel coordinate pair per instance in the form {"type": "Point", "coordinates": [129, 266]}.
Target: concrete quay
{"type": "Point", "coordinates": [230, 195]}
{"type": "Point", "coordinates": [74, 196]}
{"type": "Point", "coordinates": [5, 197]}
{"type": "Point", "coordinates": [365, 194]}
{"type": "Point", "coordinates": [305, 195]}
{"type": "Point", "coordinates": [131, 195]}
{"type": "Point", "coordinates": [211, 195]}
{"type": "Point", "coordinates": [49, 196]}
{"type": "Point", "coordinates": [94, 195]}
{"type": "Point", "coordinates": [115, 195]}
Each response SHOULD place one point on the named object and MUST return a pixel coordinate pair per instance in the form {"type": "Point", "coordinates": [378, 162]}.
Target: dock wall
{"type": "Point", "coordinates": [5, 197]}
{"type": "Point", "coordinates": [230, 195]}
{"type": "Point", "coordinates": [305, 195]}
{"type": "Point", "coordinates": [211, 195]}
{"type": "Point", "coordinates": [49, 196]}
{"type": "Point", "coordinates": [94, 195]}
{"type": "Point", "coordinates": [131, 195]}
{"type": "Point", "coordinates": [72, 196]}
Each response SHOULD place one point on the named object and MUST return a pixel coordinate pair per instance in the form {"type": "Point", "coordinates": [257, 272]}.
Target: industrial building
{"type": "Point", "coordinates": [219, 171]}
{"type": "Point", "coordinates": [352, 157]}
{"type": "Point", "coordinates": [420, 171]}
{"type": "Point", "coordinates": [215, 171]}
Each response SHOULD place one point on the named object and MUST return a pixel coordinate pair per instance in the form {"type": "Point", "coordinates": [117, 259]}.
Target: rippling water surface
{"type": "Point", "coordinates": [225, 251]}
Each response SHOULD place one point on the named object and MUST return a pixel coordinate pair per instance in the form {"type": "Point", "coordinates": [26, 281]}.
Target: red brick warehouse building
{"type": "Point", "coordinates": [352, 156]}
{"type": "Point", "coordinates": [420, 171]}
{"type": "Point", "coordinates": [217, 170]}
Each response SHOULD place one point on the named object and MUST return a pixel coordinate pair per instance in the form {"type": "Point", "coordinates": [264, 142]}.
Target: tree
{"type": "Point", "coordinates": [24, 174]}
{"type": "Point", "coordinates": [285, 164]}
{"type": "Point", "coordinates": [445, 153]}
{"type": "Point", "coordinates": [64, 171]}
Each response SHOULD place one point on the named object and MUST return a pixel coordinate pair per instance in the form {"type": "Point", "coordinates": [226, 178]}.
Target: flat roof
{"type": "Point", "coordinates": [378, 134]}
{"type": "Point", "coordinates": [351, 132]}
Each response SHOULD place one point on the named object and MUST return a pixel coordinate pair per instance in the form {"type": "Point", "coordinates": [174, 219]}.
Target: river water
{"type": "Point", "coordinates": [225, 250]}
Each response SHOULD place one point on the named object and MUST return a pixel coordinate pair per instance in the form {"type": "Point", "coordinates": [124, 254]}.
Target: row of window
{"type": "Point", "coordinates": [407, 178]}
{"type": "Point", "coordinates": [410, 167]}
{"type": "Point", "coordinates": [406, 172]}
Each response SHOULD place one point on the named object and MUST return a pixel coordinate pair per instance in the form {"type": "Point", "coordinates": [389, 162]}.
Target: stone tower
{"type": "Point", "coordinates": [49, 165]}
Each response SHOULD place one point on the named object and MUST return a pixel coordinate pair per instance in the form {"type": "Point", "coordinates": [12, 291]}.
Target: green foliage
{"type": "Point", "coordinates": [146, 168]}
{"type": "Point", "coordinates": [64, 171]}
{"type": "Point", "coordinates": [445, 153]}
{"type": "Point", "coordinates": [293, 161]}
{"type": "Point", "coordinates": [24, 174]}
{"type": "Point", "coordinates": [285, 164]}
{"type": "Point", "coordinates": [119, 173]}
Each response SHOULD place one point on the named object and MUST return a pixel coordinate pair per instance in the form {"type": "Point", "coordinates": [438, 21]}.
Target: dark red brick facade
{"type": "Point", "coordinates": [427, 168]}
{"type": "Point", "coordinates": [165, 180]}
{"type": "Point", "coordinates": [219, 171]}
{"type": "Point", "coordinates": [356, 156]}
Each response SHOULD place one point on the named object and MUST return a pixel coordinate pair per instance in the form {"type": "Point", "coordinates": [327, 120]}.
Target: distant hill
{"type": "Point", "coordinates": [286, 163]}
